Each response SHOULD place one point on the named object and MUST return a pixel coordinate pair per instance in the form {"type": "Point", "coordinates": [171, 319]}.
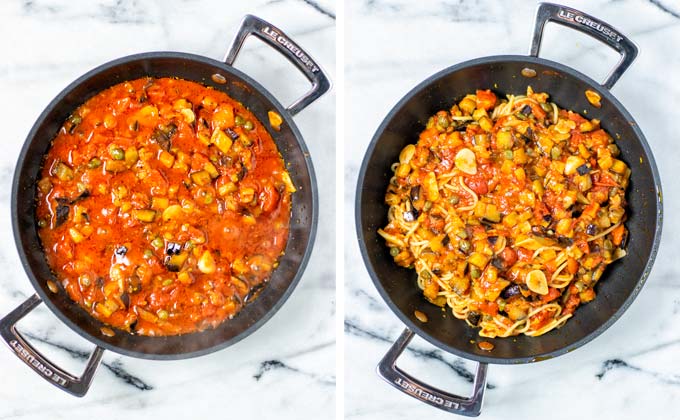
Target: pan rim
{"type": "Point", "coordinates": [288, 118]}
{"type": "Point", "coordinates": [371, 149]}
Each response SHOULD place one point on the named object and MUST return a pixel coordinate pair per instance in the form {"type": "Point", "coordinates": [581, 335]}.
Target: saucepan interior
{"type": "Point", "coordinates": [621, 281]}
{"type": "Point", "coordinates": [238, 86]}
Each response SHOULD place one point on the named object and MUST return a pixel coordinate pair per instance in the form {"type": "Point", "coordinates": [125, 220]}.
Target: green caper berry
{"type": "Point", "coordinates": [475, 272]}
{"type": "Point", "coordinates": [239, 120]}
{"type": "Point", "coordinates": [248, 125]}
{"type": "Point", "coordinates": [162, 314]}
{"type": "Point", "coordinates": [148, 253]}
{"type": "Point", "coordinates": [94, 163]}
{"type": "Point", "coordinates": [394, 251]}
{"type": "Point", "coordinates": [464, 245]}
{"type": "Point", "coordinates": [454, 199]}
{"type": "Point", "coordinates": [42, 223]}
{"type": "Point", "coordinates": [168, 282]}
{"type": "Point", "coordinates": [117, 154]}
{"type": "Point", "coordinates": [508, 154]}
{"type": "Point", "coordinates": [443, 122]}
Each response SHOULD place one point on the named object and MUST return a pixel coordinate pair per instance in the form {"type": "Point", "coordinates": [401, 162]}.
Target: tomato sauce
{"type": "Point", "coordinates": [163, 206]}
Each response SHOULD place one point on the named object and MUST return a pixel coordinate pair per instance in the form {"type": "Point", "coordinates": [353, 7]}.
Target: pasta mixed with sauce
{"type": "Point", "coordinates": [509, 211]}
{"type": "Point", "coordinates": [163, 206]}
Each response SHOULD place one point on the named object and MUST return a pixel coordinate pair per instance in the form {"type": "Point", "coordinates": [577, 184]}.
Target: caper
{"type": "Point", "coordinates": [508, 154]}
{"type": "Point", "coordinates": [248, 125]}
{"type": "Point", "coordinates": [42, 223]}
{"type": "Point", "coordinates": [462, 234]}
{"type": "Point", "coordinates": [239, 120]}
{"type": "Point", "coordinates": [208, 199]}
{"type": "Point", "coordinates": [443, 122]}
{"type": "Point", "coordinates": [162, 314]}
{"type": "Point", "coordinates": [148, 253]}
{"type": "Point", "coordinates": [546, 107]}
{"type": "Point", "coordinates": [167, 282]}
{"type": "Point", "coordinates": [394, 251]}
{"type": "Point", "coordinates": [464, 245]}
{"type": "Point", "coordinates": [94, 163]}
{"type": "Point", "coordinates": [475, 272]}
{"type": "Point", "coordinates": [117, 153]}
{"type": "Point", "coordinates": [520, 116]}
{"type": "Point", "coordinates": [454, 199]}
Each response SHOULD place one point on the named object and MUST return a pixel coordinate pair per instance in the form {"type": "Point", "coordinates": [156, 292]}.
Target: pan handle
{"type": "Point", "coordinates": [465, 406]}
{"type": "Point", "coordinates": [36, 361]}
{"type": "Point", "coordinates": [602, 31]}
{"type": "Point", "coordinates": [252, 25]}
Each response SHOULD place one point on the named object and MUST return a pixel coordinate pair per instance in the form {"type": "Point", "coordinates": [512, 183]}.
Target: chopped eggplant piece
{"type": "Point", "coordinates": [492, 239]}
{"type": "Point", "coordinates": [163, 136]}
{"type": "Point", "coordinates": [510, 291]}
{"type": "Point", "coordinates": [174, 263]}
{"type": "Point", "coordinates": [409, 216]}
{"type": "Point", "coordinates": [583, 169]}
{"type": "Point", "coordinates": [498, 262]}
{"type": "Point", "coordinates": [526, 110]}
{"type": "Point", "coordinates": [134, 284]}
{"type": "Point", "coordinates": [591, 229]}
{"type": "Point", "coordinates": [173, 248]}
{"type": "Point", "coordinates": [462, 127]}
{"type": "Point", "coordinates": [564, 241]}
{"type": "Point", "coordinates": [121, 251]}
{"type": "Point", "coordinates": [415, 193]}
{"type": "Point", "coordinates": [231, 133]}
{"type": "Point", "coordinates": [126, 299]}
{"type": "Point", "coordinates": [474, 318]}
{"type": "Point", "coordinates": [62, 213]}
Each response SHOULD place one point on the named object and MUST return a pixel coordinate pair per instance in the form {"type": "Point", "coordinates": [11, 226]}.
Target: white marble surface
{"type": "Point", "coordinates": [286, 369]}
{"type": "Point", "coordinates": [632, 370]}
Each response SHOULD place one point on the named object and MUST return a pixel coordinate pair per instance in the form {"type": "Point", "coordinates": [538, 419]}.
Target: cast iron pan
{"type": "Point", "coordinates": [622, 280]}
{"type": "Point", "coordinates": [303, 218]}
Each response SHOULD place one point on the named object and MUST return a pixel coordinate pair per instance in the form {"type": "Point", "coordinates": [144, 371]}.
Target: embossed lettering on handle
{"type": "Point", "coordinates": [465, 406]}
{"type": "Point", "coordinates": [276, 38]}
{"type": "Point", "coordinates": [602, 31]}
{"type": "Point", "coordinates": [58, 377]}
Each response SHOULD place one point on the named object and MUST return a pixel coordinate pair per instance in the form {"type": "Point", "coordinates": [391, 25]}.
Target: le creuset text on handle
{"type": "Point", "coordinates": [52, 373]}
{"type": "Point", "coordinates": [465, 406]}
{"type": "Point", "coordinates": [589, 25]}
{"type": "Point", "coordinates": [276, 38]}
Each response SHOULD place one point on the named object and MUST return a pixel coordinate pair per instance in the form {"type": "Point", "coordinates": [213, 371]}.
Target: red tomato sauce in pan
{"type": "Point", "coordinates": [163, 206]}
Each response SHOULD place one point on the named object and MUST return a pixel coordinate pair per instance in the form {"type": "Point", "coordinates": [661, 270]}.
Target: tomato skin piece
{"type": "Point", "coordinates": [524, 255]}
{"type": "Point", "coordinates": [478, 184]}
{"type": "Point", "coordinates": [485, 99]}
{"type": "Point", "coordinates": [269, 199]}
{"type": "Point", "coordinates": [509, 256]}
{"type": "Point", "coordinates": [552, 295]}
{"type": "Point", "coordinates": [489, 308]}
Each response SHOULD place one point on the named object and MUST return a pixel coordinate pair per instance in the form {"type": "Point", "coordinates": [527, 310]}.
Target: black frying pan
{"type": "Point", "coordinates": [303, 219]}
{"type": "Point", "coordinates": [622, 280]}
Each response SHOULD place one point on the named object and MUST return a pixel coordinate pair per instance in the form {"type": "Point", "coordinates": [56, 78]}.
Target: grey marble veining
{"type": "Point", "coordinates": [46, 44]}
{"type": "Point", "coordinates": [630, 371]}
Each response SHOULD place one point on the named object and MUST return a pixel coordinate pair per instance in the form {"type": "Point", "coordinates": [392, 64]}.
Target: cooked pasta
{"type": "Point", "coordinates": [509, 211]}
